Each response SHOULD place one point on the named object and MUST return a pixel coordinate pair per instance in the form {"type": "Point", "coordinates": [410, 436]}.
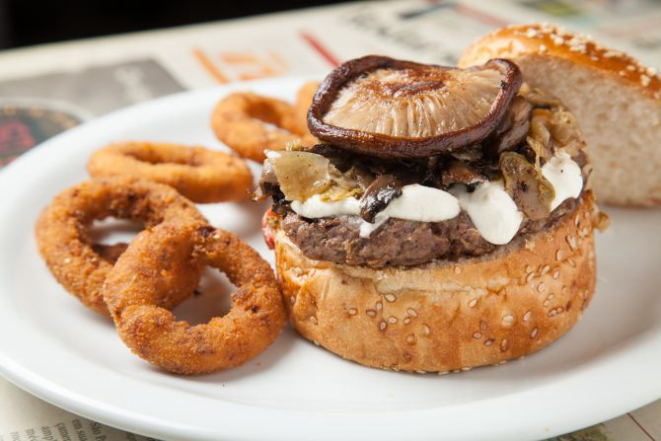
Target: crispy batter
{"type": "Point", "coordinates": [156, 263]}
{"type": "Point", "coordinates": [62, 230]}
{"type": "Point", "coordinates": [197, 173]}
{"type": "Point", "coordinates": [249, 124]}
{"type": "Point", "coordinates": [302, 105]}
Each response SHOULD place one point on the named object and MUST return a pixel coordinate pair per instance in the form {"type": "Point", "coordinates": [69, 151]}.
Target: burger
{"type": "Point", "coordinates": [444, 220]}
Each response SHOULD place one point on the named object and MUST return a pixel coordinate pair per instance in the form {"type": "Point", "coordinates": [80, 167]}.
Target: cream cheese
{"type": "Point", "coordinates": [565, 176]}
{"type": "Point", "coordinates": [314, 207]}
{"type": "Point", "coordinates": [418, 203]}
{"type": "Point", "coordinates": [493, 212]}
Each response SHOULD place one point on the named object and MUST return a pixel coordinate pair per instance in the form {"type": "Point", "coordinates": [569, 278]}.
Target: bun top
{"type": "Point", "coordinates": [548, 39]}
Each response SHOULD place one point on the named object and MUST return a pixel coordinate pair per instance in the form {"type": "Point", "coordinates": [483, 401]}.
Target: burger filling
{"type": "Point", "coordinates": [351, 208]}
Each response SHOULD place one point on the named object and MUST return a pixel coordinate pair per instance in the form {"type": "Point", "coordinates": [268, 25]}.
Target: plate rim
{"type": "Point", "coordinates": [428, 419]}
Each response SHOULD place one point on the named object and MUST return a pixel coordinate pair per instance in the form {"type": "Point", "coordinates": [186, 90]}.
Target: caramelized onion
{"type": "Point", "coordinates": [395, 109]}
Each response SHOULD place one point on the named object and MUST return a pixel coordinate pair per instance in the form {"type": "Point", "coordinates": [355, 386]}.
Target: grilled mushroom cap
{"type": "Point", "coordinates": [390, 108]}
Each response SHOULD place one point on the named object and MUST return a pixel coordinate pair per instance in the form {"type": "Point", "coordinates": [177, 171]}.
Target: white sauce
{"type": "Point", "coordinates": [314, 207]}
{"type": "Point", "coordinates": [418, 203]}
{"type": "Point", "coordinates": [493, 212]}
{"type": "Point", "coordinates": [565, 176]}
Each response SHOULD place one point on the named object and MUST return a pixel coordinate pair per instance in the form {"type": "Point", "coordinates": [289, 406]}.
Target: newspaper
{"type": "Point", "coordinates": [48, 89]}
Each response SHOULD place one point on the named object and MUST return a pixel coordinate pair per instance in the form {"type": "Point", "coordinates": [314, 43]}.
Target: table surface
{"type": "Point", "coordinates": [57, 86]}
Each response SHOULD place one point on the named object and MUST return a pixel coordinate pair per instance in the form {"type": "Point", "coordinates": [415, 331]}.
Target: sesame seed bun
{"type": "Point", "coordinates": [446, 315]}
{"type": "Point", "coordinates": [616, 100]}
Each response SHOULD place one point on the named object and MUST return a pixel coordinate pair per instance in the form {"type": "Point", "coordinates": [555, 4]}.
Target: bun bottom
{"type": "Point", "coordinates": [444, 315]}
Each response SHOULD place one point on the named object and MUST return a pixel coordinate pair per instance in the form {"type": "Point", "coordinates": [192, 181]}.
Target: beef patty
{"type": "Point", "coordinates": [398, 242]}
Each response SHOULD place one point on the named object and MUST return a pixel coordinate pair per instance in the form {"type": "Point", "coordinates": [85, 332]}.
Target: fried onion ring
{"type": "Point", "coordinates": [302, 105]}
{"type": "Point", "coordinates": [249, 124]}
{"type": "Point", "coordinates": [62, 231]}
{"type": "Point", "coordinates": [197, 173]}
{"type": "Point", "coordinates": [152, 266]}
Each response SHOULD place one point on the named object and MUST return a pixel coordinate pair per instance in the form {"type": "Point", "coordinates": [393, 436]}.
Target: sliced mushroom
{"type": "Point", "coordinates": [532, 193]}
{"type": "Point", "coordinates": [378, 195]}
{"type": "Point", "coordinates": [458, 172]}
{"type": "Point", "coordinates": [396, 109]}
{"type": "Point", "coordinates": [513, 129]}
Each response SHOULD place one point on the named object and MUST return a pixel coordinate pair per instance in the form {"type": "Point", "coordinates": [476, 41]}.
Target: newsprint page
{"type": "Point", "coordinates": [48, 89]}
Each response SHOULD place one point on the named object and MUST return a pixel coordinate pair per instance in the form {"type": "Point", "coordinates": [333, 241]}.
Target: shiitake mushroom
{"type": "Point", "coordinates": [389, 108]}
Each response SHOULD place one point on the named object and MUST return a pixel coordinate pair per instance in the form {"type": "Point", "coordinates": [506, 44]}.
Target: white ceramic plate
{"type": "Point", "coordinates": [56, 349]}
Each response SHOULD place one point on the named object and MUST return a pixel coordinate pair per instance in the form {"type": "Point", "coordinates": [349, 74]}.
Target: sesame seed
{"type": "Point", "coordinates": [542, 48]}
{"type": "Point", "coordinates": [545, 269]}
{"type": "Point", "coordinates": [410, 339]}
{"type": "Point", "coordinates": [472, 303]}
{"type": "Point", "coordinates": [67, 260]}
{"type": "Point", "coordinates": [352, 311]}
{"type": "Point", "coordinates": [489, 342]}
{"type": "Point", "coordinates": [457, 269]}
{"type": "Point", "coordinates": [645, 80]}
{"type": "Point", "coordinates": [571, 263]}
{"type": "Point", "coordinates": [464, 369]}
{"type": "Point", "coordinates": [550, 296]}
{"type": "Point", "coordinates": [503, 344]}
{"type": "Point", "coordinates": [382, 325]}
{"type": "Point", "coordinates": [527, 315]}
{"type": "Point", "coordinates": [292, 300]}
{"type": "Point", "coordinates": [411, 312]}
{"type": "Point", "coordinates": [531, 33]}
{"type": "Point", "coordinates": [631, 67]}
{"type": "Point", "coordinates": [443, 372]}
{"type": "Point", "coordinates": [426, 329]}
{"type": "Point", "coordinates": [651, 71]}
{"type": "Point", "coordinates": [530, 277]}
{"type": "Point", "coordinates": [558, 255]}
{"type": "Point", "coordinates": [552, 313]}
{"type": "Point", "coordinates": [533, 334]}
{"type": "Point", "coordinates": [313, 319]}
{"type": "Point", "coordinates": [528, 269]}
{"type": "Point", "coordinates": [556, 274]}
{"type": "Point", "coordinates": [622, 73]}
{"type": "Point", "coordinates": [371, 312]}
{"type": "Point", "coordinates": [560, 309]}
{"type": "Point", "coordinates": [379, 306]}
{"type": "Point", "coordinates": [315, 342]}
{"type": "Point", "coordinates": [571, 241]}
{"type": "Point", "coordinates": [477, 335]}
{"type": "Point", "coordinates": [483, 325]}
{"type": "Point", "coordinates": [577, 221]}
{"type": "Point", "coordinates": [407, 320]}
{"type": "Point", "coordinates": [541, 287]}
{"type": "Point", "coordinates": [594, 58]}
{"type": "Point", "coordinates": [546, 303]}
{"type": "Point", "coordinates": [557, 40]}
{"type": "Point", "coordinates": [390, 297]}
{"type": "Point", "coordinates": [421, 372]}
{"type": "Point", "coordinates": [508, 319]}
{"type": "Point", "coordinates": [392, 319]}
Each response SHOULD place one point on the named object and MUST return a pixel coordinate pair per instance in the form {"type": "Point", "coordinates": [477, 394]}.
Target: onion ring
{"type": "Point", "coordinates": [62, 230]}
{"type": "Point", "coordinates": [152, 266]}
{"type": "Point", "coordinates": [197, 173]}
{"type": "Point", "coordinates": [302, 105]}
{"type": "Point", "coordinates": [249, 124]}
